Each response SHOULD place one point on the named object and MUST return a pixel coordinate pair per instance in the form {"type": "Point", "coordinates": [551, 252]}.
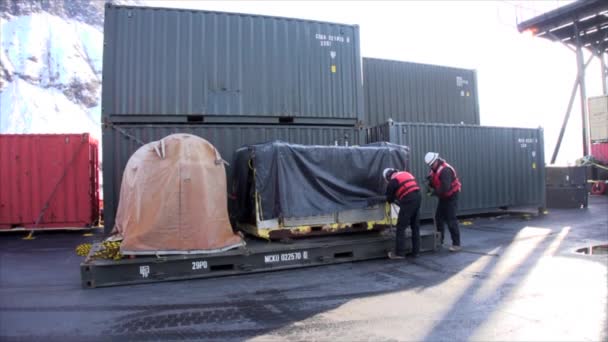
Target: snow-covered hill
{"type": "Point", "coordinates": [51, 74]}
{"type": "Point", "coordinates": [50, 65]}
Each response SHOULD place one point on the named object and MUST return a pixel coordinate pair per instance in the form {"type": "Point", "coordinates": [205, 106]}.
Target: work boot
{"type": "Point", "coordinates": [393, 256]}
{"type": "Point", "coordinates": [455, 248]}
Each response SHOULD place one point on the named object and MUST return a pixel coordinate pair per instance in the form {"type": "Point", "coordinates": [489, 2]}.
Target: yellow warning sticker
{"type": "Point", "coordinates": [534, 165]}
{"type": "Point", "coordinates": [333, 68]}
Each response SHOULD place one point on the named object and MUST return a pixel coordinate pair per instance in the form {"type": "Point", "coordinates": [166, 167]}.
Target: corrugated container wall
{"type": "Point", "coordinates": [598, 118]}
{"type": "Point", "coordinates": [413, 92]}
{"type": "Point", "coordinates": [498, 167]}
{"type": "Point", "coordinates": [193, 65]}
{"type": "Point", "coordinates": [120, 142]}
{"type": "Point", "coordinates": [53, 175]}
{"type": "Point", "coordinates": [600, 152]}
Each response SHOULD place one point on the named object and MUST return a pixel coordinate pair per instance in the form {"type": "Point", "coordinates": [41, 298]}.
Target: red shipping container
{"type": "Point", "coordinates": [48, 181]}
{"type": "Point", "coordinates": [600, 152]}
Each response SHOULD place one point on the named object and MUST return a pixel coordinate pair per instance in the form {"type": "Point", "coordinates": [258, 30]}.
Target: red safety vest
{"type": "Point", "coordinates": [407, 184]}
{"type": "Point", "coordinates": [436, 182]}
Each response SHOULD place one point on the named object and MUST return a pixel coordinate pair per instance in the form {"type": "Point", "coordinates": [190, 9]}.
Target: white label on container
{"type": "Point", "coordinates": [328, 39]}
{"type": "Point", "coordinates": [144, 271]}
{"type": "Point", "coordinates": [286, 257]}
{"type": "Point", "coordinates": [332, 54]}
{"type": "Point", "coordinates": [199, 265]}
{"type": "Point", "coordinates": [461, 81]}
{"type": "Point", "coordinates": [527, 140]}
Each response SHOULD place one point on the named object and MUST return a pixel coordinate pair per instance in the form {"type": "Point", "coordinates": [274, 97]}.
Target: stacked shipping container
{"type": "Point", "coordinates": [413, 92]}
{"type": "Point", "coordinates": [499, 167]}
{"type": "Point", "coordinates": [598, 127]}
{"type": "Point", "coordinates": [232, 79]}
{"type": "Point", "coordinates": [598, 119]}
{"type": "Point", "coordinates": [238, 79]}
{"type": "Point", "coordinates": [172, 65]}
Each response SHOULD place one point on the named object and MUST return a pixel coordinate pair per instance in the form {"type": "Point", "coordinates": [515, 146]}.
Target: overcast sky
{"type": "Point", "coordinates": [523, 81]}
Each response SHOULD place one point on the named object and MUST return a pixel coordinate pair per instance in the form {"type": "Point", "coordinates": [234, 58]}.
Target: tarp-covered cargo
{"type": "Point", "coordinates": [120, 142]}
{"type": "Point", "coordinates": [281, 186]}
{"type": "Point", "coordinates": [173, 199]}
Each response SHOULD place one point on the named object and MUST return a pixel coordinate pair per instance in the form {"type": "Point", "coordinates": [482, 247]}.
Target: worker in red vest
{"type": "Point", "coordinates": [403, 190]}
{"type": "Point", "coordinates": [444, 184]}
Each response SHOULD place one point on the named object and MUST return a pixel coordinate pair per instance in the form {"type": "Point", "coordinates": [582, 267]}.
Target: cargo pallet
{"type": "Point", "coordinates": [257, 256]}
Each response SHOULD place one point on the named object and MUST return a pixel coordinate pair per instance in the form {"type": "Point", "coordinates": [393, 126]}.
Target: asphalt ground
{"type": "Point", "coordinates": [519, 278]}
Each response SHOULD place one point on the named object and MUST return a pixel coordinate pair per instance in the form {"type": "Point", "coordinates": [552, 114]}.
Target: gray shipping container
{"type": "Point", "coordinates": [498, 166]}
{"type": "Point", "coordinates": [176, 65]}
{"type": "Point", "coordinates": [120, 142]}
{"type": "Point", "coordinates": [413, 92]}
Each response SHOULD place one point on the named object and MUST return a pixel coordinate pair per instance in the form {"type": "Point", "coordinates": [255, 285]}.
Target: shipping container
{"type": "Point", "coordinates": [120, 142]}
{"type": "Point", "coordinates": [566, 176]}
{"type": "Point", "coordinates": [499, 167]}
{"type": "Point", "coordinates": [570, 197]}
{"type": "Point", "coordinates": [598, 118]}
{"type": "Point", "coordinates": [413, 92]}
{"type": "Point", "coordinates": [600, 152]}
{"type": "Point", "coordinates": [177, 65]}
{"type": "Point", "coordinates": [48, 181]}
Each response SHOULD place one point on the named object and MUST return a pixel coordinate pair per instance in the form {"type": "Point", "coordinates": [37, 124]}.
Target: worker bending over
{"type": "Point", "coordinates": [403, 190]}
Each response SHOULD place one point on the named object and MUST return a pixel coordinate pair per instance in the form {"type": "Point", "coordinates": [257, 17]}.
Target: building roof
{"type": "Point", "coordinates": [588, 17]}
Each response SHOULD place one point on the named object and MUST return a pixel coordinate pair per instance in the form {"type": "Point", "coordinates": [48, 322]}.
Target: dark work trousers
{"type": "Point", "coordinates": [446, 213]}
{"type": "Point", "coordinates": [409, 206]}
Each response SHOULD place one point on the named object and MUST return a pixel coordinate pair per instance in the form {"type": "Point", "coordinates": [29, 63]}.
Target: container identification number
{"type": "Point", "coordinates": [199, 265]}
{"type": "Point", "coordinates": [285, 257]}
{"type": "Point", "coordinates": [525, 141]}
{"type": "Point", "coordinates": [328, 39]}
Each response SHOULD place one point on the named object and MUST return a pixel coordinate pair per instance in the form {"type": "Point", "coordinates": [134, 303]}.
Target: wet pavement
{"type": "Point", "coordinates": [518, 278]}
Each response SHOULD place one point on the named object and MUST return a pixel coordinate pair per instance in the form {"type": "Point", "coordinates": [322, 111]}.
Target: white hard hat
{"type": "Point", "coordinates": [388, 172]}
{"type": "Point", "coordinates": [430, 158]}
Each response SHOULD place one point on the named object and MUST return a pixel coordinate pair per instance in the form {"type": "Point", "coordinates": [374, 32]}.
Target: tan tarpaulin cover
{"type": "Point", "coordinates": [173, 199]}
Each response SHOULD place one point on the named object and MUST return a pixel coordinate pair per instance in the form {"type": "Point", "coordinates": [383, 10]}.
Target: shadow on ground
{"type": "Point", "coordinates": [40, 295]}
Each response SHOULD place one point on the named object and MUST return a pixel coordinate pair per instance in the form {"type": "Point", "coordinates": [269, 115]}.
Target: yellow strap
{"type": "Point", "coordinates": [30, 236]}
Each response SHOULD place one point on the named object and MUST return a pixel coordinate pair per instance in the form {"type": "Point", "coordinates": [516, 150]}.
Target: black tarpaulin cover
{"type": "Point", "coordinates": [298, 180]}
